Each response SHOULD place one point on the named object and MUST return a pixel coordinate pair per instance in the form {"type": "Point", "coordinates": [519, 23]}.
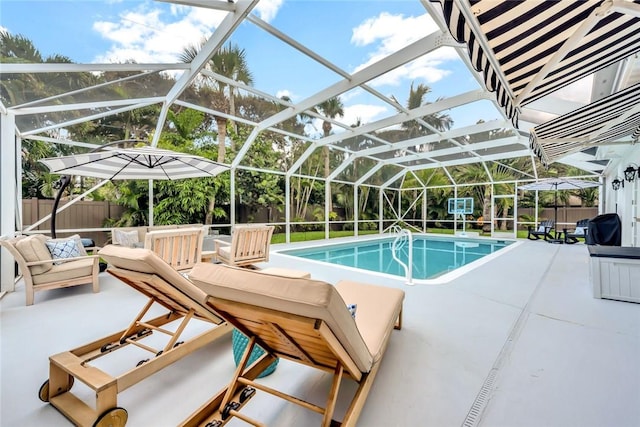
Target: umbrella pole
{"type": "Point", "coordinates": [64, 183]}
{"type": "Point", "coordinates": [150, 203]}
{"type": "Point", "coordinates": [555, 206]}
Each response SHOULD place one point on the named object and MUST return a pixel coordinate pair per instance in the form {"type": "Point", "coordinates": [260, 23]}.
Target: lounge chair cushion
{"type": "Point", "coordinates": [33, 248]}
{"type": "Point", "coordinates": [375, 321]}
{"type": "Point", "coordinates": [362, 337]}
{"type": "Point", "coordinates": [145, 261]}
{"type": "Point", "coordinates": [65, 270]}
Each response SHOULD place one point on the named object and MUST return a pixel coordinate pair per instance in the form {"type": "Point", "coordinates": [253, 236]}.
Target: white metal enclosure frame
{"type": "Point", "coordinates": [437, 150]}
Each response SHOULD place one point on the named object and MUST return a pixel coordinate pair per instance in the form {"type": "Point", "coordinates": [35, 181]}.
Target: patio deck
{"type": "Point", "coordinates": [519, 341]}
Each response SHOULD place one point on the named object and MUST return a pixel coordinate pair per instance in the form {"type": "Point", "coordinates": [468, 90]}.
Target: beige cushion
{"type": "Point", "coordinates": [224, 252]}
{"type": "Point", "coordinates": [309, 298]}
{"type": "Point", "coordinates": [145, 261]}
{"type": "Point", "coordinates": [377, 312]}
{"type": "Point", "coordinates": [66, 270]}
{"type": "Point", "coordinates": [33, 248]}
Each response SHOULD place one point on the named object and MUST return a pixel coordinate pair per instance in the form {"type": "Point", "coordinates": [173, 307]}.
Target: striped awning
{"type": "Point", "coordinates": [529, 49]}
{"type": "Point", "coordinates": [608, 120]}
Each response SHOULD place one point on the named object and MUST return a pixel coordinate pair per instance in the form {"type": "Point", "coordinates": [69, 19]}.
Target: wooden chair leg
{"type": "Point", "coordinates": [333, 396]}
{"type": "Point", "coordinates": [29, 290]}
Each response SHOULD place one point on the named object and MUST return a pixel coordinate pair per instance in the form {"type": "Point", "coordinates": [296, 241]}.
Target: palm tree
{"type": "Point", "coordinates": [331, 108]}
{"type": "Point", "coordinates": [476, 172]}
{"type": "Point", "coordinates": [415, 100]}
{"type": "Point", "coordinates": [230, 61]}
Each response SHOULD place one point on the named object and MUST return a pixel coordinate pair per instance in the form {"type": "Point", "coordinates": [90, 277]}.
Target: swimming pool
{"type": "Point", "coordinates": [433, 256]}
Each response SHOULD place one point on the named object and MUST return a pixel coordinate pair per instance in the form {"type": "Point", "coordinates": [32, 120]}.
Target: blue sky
{"type": "Point", "coordinates": [351, 34]}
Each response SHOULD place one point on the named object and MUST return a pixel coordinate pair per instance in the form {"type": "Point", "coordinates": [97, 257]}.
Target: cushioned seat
{"type": "Point", "coordinates": [66, 271]}
{"type": "Point", "coordinates": [306, 321]}
{"type": "Point", "coordinates": [71, 265]}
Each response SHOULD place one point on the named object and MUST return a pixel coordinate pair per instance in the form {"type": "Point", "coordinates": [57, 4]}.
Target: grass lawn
{"type": "Point", "coordinates": [304, 236]}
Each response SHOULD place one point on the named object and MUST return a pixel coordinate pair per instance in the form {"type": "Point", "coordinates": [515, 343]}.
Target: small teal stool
{"type": "Point", "coordinates": [240, 342]}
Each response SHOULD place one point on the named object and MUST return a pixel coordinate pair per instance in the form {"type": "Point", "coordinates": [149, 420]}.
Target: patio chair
{"type": "Point", "coordinates": [543, 230]}
{"type": "Point", "coordinates": [579, 232]}
{"type": "Point", "coordinates": [165, 288]}
{"type": "Point", "coordinates": [249, 245]}
{"type": "Point", "coordinates": [302, 320]}
{"type": "Point", "coordinates": [181, 248]}
{"type": "Point", "coordinates": [41, 271]}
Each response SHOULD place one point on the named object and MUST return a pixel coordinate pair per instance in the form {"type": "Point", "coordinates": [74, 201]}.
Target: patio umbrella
{"type": "Point", "coordinates": [130, 163]}
{"type": "Point", "coordinates": [135, 163]}
{"type": "Point", "coordinates": [555, 184]}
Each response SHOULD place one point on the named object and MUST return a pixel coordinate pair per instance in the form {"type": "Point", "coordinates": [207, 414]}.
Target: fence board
{"type": "Point", "coordinates": [83, 214]}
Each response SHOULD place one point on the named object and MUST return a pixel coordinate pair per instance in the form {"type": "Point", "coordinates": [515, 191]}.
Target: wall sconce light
{"type": "Point", "coordinates": [616, 183]}
{"type": "Point", "coordinates": [630, 172]}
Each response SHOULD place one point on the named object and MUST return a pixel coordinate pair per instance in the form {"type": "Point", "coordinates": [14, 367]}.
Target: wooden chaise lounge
{"type": "Point", "coordinates": [302, 320]}
{"type": "Point", "coordinates": [149, 274]}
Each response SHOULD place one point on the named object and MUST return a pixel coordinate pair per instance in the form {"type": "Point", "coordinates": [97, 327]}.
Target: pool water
{"type": "Point", "coordinates": [432, 256]}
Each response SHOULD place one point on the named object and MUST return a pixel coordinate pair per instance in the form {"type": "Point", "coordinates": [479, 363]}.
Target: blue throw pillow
{"type": "Point", "coordinates": [352, 309]}
{"type": "Point", "coordinates": [63, 249]}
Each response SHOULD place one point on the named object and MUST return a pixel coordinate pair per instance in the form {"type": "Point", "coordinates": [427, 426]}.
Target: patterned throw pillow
{"type": "Point", "coordinates": [63, 249]}
{"type": "Point", "coordinates": [78, 241]}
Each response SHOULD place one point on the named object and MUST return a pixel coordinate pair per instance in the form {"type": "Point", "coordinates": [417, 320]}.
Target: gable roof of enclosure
{"type": "Point", "coordinates": [481, 30]}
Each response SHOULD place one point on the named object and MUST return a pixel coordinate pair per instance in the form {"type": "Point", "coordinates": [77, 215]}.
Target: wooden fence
{"type": "Point", "coordinates": [92, 215]}
{"type": "Point", "coordinates": [567, 216]}
{"type": "Point", "coordinates": [82, 214]}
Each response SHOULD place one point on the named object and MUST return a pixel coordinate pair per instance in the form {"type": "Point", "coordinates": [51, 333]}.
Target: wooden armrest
{"type": "Point", "coordinates": [217, 243]}
{"type": "Point", "coordinates": [32, 263]}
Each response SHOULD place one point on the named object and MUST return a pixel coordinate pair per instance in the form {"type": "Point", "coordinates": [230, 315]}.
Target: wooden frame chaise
{"type": "Point", "coordinates": [302, 320]}
{"type": "Point", "coordinates": [150, 275]}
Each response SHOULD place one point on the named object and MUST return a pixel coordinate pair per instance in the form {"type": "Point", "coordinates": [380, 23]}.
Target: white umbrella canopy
{"type": "Point", "coordinates": [560, 184]}
{"type": "Point", "coordinates": [135, 163]}
{"type": "Point", "coordinates": [130, 163]}
{"type": "Point", "coordinates": [555, 184]}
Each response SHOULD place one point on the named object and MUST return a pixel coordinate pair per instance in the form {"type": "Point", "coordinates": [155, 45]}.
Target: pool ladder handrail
{"type": "Point", "coordinates": [404, 237]}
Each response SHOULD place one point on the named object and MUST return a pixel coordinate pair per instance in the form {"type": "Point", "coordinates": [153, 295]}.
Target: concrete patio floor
{"type": "Point", "coordinates": [519, 341]}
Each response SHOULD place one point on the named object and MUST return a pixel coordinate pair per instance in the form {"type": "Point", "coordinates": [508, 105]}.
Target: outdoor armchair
{"type": "Point", "coordinates": [181, 248]}
{"type": "Point", "coordinates": [52, 263]}
{"type": "Point", "coordinates": [542, 231]}
{"type": "Point", "coordinates": [249, 245]}
{"type": "Point", "coordinates": [579, 232]}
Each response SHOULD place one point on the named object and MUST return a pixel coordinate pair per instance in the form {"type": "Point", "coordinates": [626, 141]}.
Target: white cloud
{"type": "Point", "coordinates": [268, 9]}
{"type": "Point", "coordinates": [365, 112]}
{"type": "Point", "coordinates": [286, 92]}
{"type": "Point", "coordinates": [155, 34]}
{"type": "Point", "coordinates": [390, 33]}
